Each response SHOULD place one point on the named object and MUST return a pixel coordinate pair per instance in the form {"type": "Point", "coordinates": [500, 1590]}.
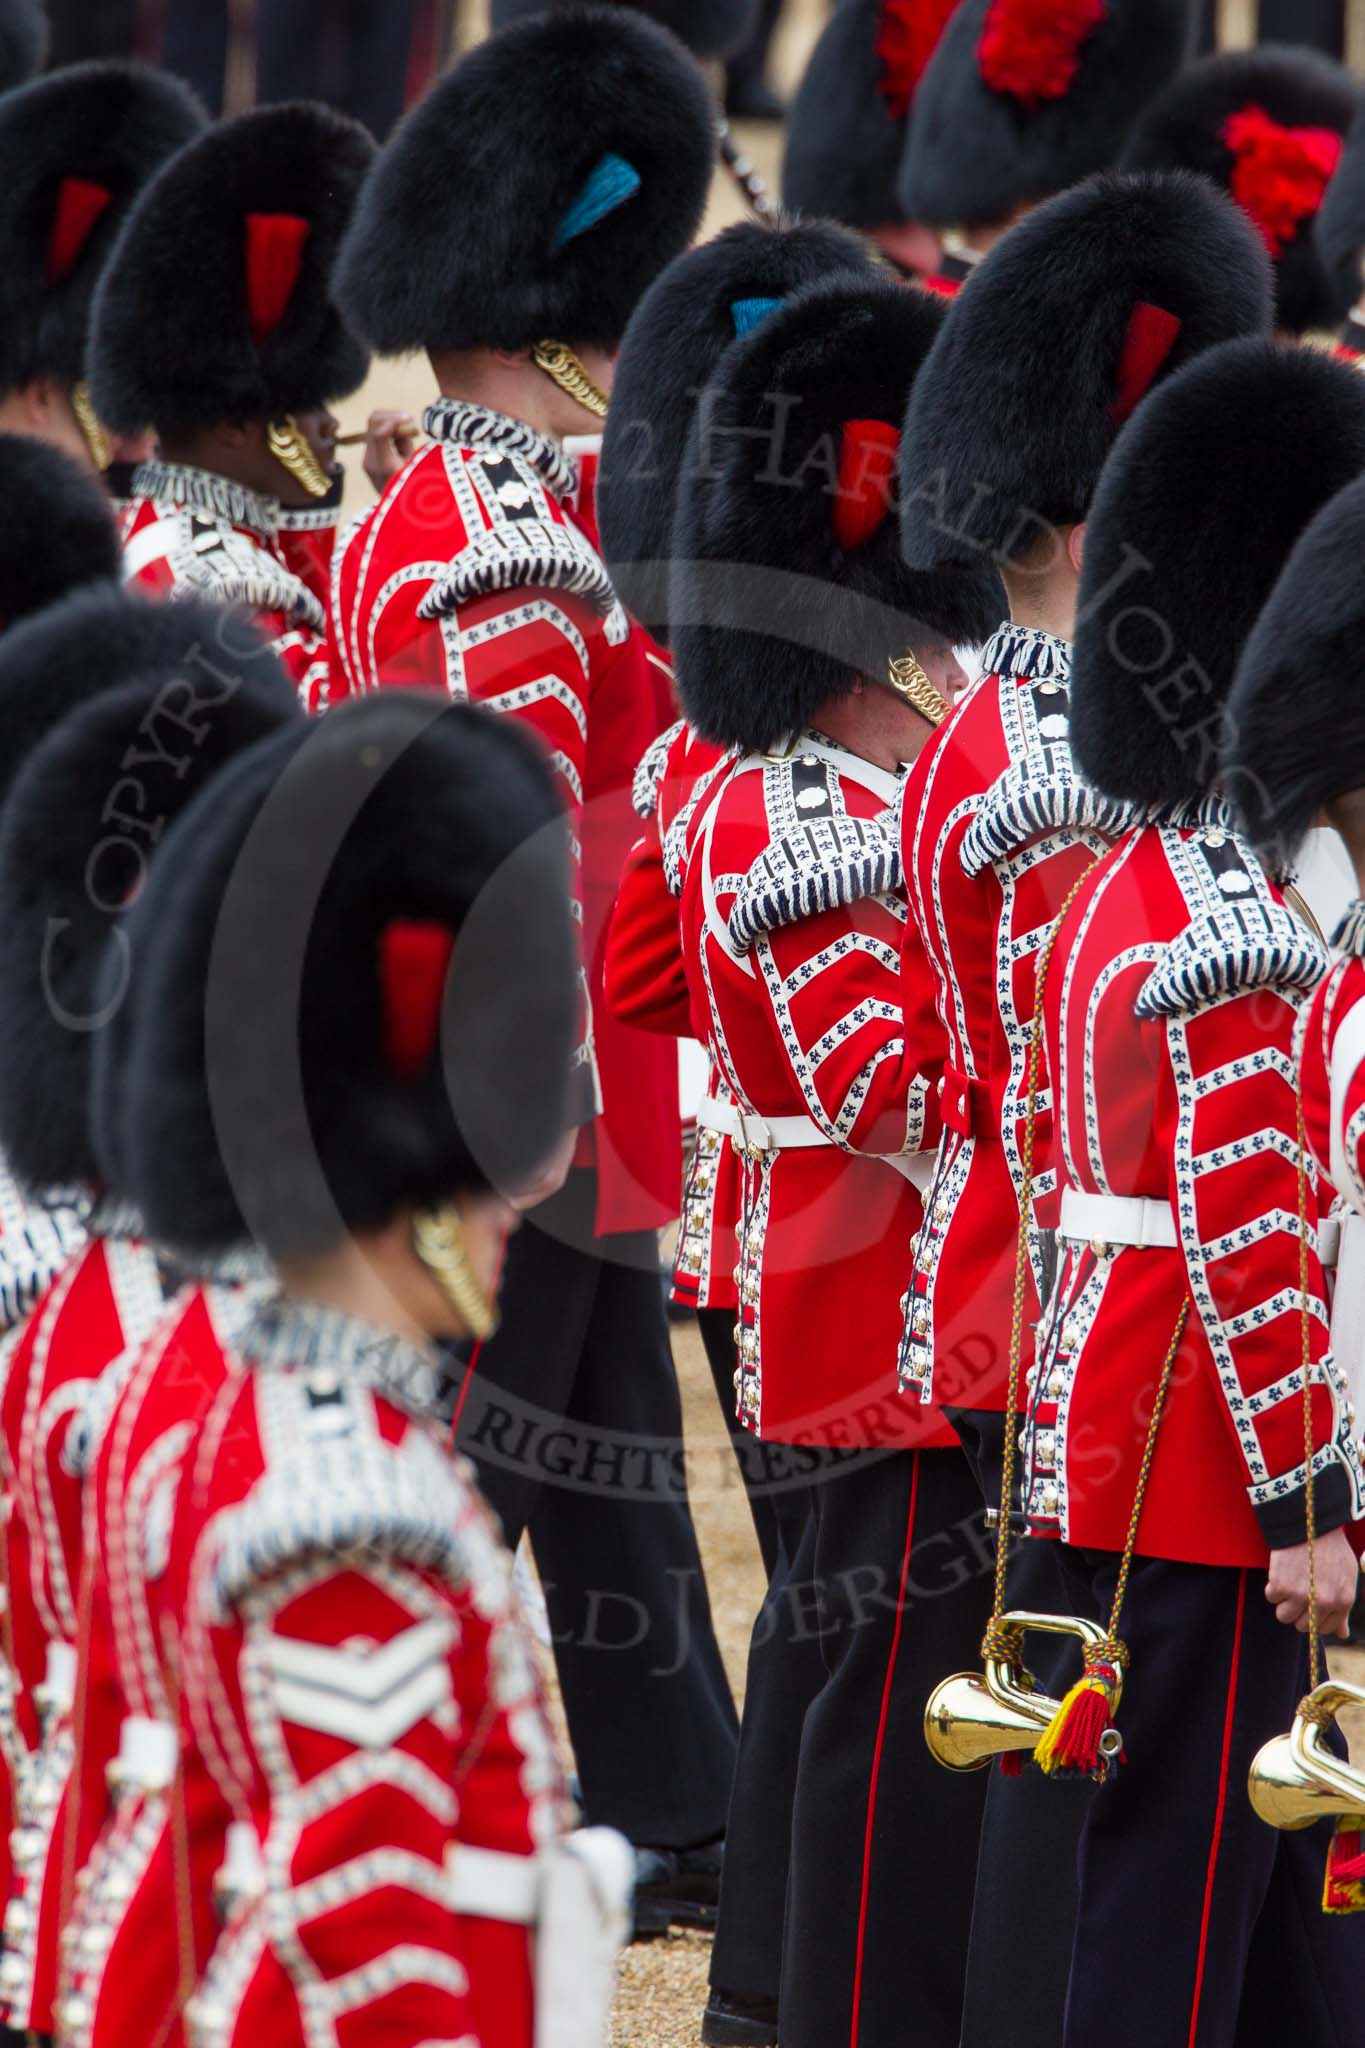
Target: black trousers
{"type": "Point", "coordinates": [571, 1416]}
{"type": "Point", "coordinates": [785, 1673]}
{"type": "Point", "coordinates": [1197, 1925]}
{"type": "Point", "coordinates": [883, 1856]}
{"type": "Point", "coordinates": [1022, 1931]}
{"type": "Point", "coordinates": [768, 1503]}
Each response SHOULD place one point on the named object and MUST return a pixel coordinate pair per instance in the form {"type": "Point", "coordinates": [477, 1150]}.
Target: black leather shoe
{"type": "Point", "coordinates": [676, 1888]}
{"type": "Point", "coordinates": [735, 2019]}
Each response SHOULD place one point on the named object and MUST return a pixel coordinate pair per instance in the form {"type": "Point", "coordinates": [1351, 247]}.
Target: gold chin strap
{"type": "Point", "coordinates": [438, 1240]}
{"type": "Point", "coordinates": [908, 680]}
{"type": "Point", "coordinates": [559, 362]}
{"type": "Point", "coordinates": [88, 420]}
{"type": "Point", "coordinates": [292, 452]}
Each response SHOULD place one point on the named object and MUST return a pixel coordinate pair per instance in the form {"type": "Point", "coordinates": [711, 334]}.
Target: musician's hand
{"type": "Point", "coordinates": [391, 437]}
{"type": "Point", "coordinates": [1336, 1576]}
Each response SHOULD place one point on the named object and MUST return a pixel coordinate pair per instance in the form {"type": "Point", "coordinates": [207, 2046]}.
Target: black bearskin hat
{"type": "Point", "coordinates": [1266, 125]}
{"type": "Point", "coordinates": [1295, 733]}
{"type": "Point", "coordinates": [216, 305]}
{"type": "Point", "coordinates": [359, 987]}
{"type": "Point", "coordinates": [1023, 98]}
{"type": "Point", "coordinates": [535, 192]}
{"type": "Point", "coordinates": [23, 41]}
{"type": "Point", "coordinates": [847, 125]}
{"type": "Point", "coordinates": [1052, 342]}
{"type": "Point", "coordinates": [76, 148]}
{"type": "Point", "coordinates": [708, 28]}
{"type": "Point", "coordinates": [788, 583]}
{"type": "Point", "coordinates": [677, 334]}
{"type": "Point", "coordinates": [82, 820]}
{"type": "Point", "coordinates": [1339, 229]}
{"type": "Point", "coordinates": [96, 639]}
{"type": "Point", "coordinates": [1199, 505]}
{"type": "Point", "coordinates": [56, 528]}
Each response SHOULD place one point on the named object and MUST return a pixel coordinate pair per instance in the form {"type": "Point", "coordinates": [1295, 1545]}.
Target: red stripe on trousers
{"type": "Point", "coordinates": [1219, 1810]}
{"type": "Point", "coordinates": [473, 1364]}
{"type": "Point", "coordinates": [877, 1755]}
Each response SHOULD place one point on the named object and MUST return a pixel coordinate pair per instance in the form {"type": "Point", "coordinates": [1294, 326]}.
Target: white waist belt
{"type": "Point", "coordinates": [493, 1884]}
{"type": "Point", "coordinates": [1118, 1219]}
{"type": "Point", "coordinates": [769, 1134]}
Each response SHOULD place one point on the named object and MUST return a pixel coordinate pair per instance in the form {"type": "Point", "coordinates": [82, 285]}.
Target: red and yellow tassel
{"type": "Point", "coordinates": [1073, 1745]}
{"type": "Point", "coordinates": [1344, 1891]}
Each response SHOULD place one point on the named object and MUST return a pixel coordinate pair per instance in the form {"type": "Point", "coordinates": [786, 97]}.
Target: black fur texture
{"type": "Point", "coordinates": [844, 144]}
{"type": "Point", "coordinates": [172, 344]}
{"type": "Point", "coordinates": [77, 833]}
{"type": "Point", "coordinates": [1296, 717]}
{"type": "Point", "coordinates": [453, 243]}
{"type": "Point", "coordinates": [1013, 414]}
{"type": "Point", "coordinates": [677, 334]}
{"type": "Point", "coordinates": [99, 638]}
{"type": "Point", "coordinates": [770, 616]}
{"type": "Point", "coordinates": [708, 28]}
{"type": "Point", "coordinates": [56, 527]}
{"type": "Point", "coordinates": [113, 124]}
{"type": "Point", "coordinates": [23, 41]}
{"type": "Point", "coordinates": [974, 154]}
{"type": "Point", "coordinates": [398, 806]}
{"type": "Point", "coordinates": [1183, 130]}
{"type": "Point", "coordinates": [1339, 230]}
{"type": "Point", "coordinates": [1205, 494]}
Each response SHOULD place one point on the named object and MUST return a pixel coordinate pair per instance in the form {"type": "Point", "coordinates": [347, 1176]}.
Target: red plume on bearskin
{"type": "Point", "coordinates": [414, 960]}
{"type": "Point", "coordinates": [1152, 334]}
{"type": "Point", "coordinates": [867, 481]}
{"type": "Point", "coordinates": [80, 205]}
{"type": "Point", "coordinates": [1278, 174]}
{"type": "Point", "coordinates": [274, 259]}
{"type": "Point", "coordinates": [907, 36]}
{"type": "Point", "coordinates": [1031, 49]}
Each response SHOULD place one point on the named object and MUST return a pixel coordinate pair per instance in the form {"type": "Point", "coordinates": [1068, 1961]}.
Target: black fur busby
{"type": "Point", "coordinates": [1266, 125]}
{"type": "Point", "coordinates": [1025, 97]}
{"type": "Point", "coordinates": [535, 192]}
{"type": "Point", "coordinates": [788, 583]}
{"type": "Point", "coordinates": [708, 28]}
{"type": "Point", "coordinates": [846, 130]}
{"type": "Point", "coordinates": [1295, 730]}
{"type": "Point", "coordinates": [1204, 496]}
{"type": "Point", "coordinates": [359, 985]}
{"type": "Point", "coordinates": [216, 303]}
{"type": "Point", "coordinates": [23, 41]}
{"type": "Point", "coordinates": [56, 527]}
{"type": "Point", "coordinates": [677, 334]}
{"type": "Point", "coordinates": [76, 148]}
{"type": "Point", "coordinates": [99, 638]}
{"type": "Point", "coordinates": [82, 821]}
{"type": "Point", "coordinates": [1053, 340]}
{"type": "Point", "coordinates": [1339, 230]}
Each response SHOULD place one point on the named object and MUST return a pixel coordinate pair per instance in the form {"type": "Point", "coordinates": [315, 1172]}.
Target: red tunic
{"type": "Point", "coordinates": [120, 1978]}
{"type": "Point", "coordinates": [792, 930]}
{"type": "Point", "coordinates": [1170, 1011]}
{"type": "Point", "coordinates": [996, 828]}
{"type": "Point", "coordinates": [475, 573]}
{"type": "Point", "coordinates": [307, 537]}
{"type": "Point", "coordinates": [359, 1699]}
{"type": "Point", "coordinates": [102, 1303]}
{"type": "Point", "coordinates": [1332, 1065]}
{"type": "Point", "coordinates": [191, 533]}
{"type": "Point", "coordinates": [646, 985]}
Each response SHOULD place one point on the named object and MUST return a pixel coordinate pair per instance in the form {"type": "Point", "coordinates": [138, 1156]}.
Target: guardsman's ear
{"type": "Point", "coordinates": [1075, 546]}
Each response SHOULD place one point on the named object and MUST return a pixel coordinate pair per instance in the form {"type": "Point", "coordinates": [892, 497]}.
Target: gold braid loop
{"type": "Point", "coordinates": [562, 366]}
{"type": "Point", "coordinates": [909, 680]}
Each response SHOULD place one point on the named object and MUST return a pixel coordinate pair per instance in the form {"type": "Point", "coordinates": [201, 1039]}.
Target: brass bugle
{"type": "Point", "coordinates": [977, 1715]}
{"type": "Point", "coordinates": [1295, 1779]}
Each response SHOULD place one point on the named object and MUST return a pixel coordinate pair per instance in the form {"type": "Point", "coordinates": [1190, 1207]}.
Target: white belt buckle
{"type": "Point", "coordinates": [755, 1140]}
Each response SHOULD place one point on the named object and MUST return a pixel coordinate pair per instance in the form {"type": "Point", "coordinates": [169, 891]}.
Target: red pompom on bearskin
{"type": "Point", "coordinates": [1031, 49]}
{"type": "Point", "coordinates": [907, 37]}
{"type": "Point", "coordinates": [1278, 174]}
